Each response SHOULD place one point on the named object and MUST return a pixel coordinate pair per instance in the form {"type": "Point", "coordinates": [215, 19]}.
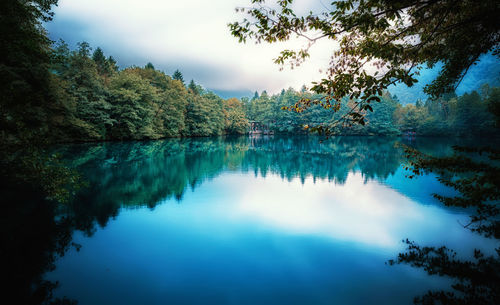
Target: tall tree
{"type": "Point", "coordinates": [112, 64]}
{"type": "Point", "coordinates": [133, 101]}
{"type": "Point", "coordinates": [100, 61]}
{"type": "Point", "coordinates": [24, 75]}
{"type": "Point", "coordinates": [255, 95]}
{"type": "Point", "coordinates": [193, 87]}
{"type": "Point", "coordinates": [395, 37]}
{"type": "Point", "coordinates": [235, 119]}
{"type": "Point", "coordinates": [89, 91]}
{"type": "Point", "coordinates": [178, 76]}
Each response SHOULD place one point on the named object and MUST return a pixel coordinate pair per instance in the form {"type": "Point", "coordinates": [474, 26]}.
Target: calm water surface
{"type": "Point", "coordinates": [252, 221]}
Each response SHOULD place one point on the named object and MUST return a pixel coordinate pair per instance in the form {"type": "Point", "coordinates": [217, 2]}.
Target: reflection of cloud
{"type": "Point", "coordinates": [367, 213]}
{"type": "Point", "coordinates": [370, 214]}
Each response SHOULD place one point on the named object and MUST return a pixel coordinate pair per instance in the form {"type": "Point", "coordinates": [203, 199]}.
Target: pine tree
{"type": "Point", "coordinates": [193, 87]}
{"type": "Point", "coordinates": [101, 62]}
{"type": "Point", "coordinates": [178, 76]}
{"type": "Point", "coordinates": [255, 96]}
{"type": "Point", "coordinates": [113, 67]}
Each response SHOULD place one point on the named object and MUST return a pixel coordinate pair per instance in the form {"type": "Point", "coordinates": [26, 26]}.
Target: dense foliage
{"type": "Point", "coordinates": [105, 103]}
{"type": "Point", "coordinates": [381, 43]}
{"type": "Point", "coordinates": [469, 114]}
{"type": "Point", "coordinates": [24, 77]}
{"type": "Point", "coordinates": [133, 103]}
{"type": "Point", "coordinates": [98, 101]}
{"type": "Point", "coordinates": [52, 93]}
{"type": "Point", "coordinates": [29, 102]}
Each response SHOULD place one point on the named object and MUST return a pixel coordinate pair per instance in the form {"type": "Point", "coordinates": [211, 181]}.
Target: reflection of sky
{"type": "Point", "coordinates": [240, 239]}
{"type": "Point", "coordinates": [357, 212]}
{"type": "Point", "coordinates": [367, 213]}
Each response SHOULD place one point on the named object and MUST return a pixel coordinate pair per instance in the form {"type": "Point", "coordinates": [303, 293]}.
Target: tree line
{"type": "Point", "coordinates": [450, 115]}
{"type": "Point", "coordinates": [91, 99]}
{"type": "Point", "coordinates": [101, 102]}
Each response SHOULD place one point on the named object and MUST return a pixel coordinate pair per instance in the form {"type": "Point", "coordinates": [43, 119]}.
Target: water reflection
{"type": "Point", "coordinates": [34, 234]}
{"type": "Point", "coordinates": [145, 173]}
{"type": "Point", "coordinates": [254, 212]}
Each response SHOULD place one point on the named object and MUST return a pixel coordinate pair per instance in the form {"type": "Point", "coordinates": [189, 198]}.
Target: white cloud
{"type": "Point", "coordinates": [366, 213]}
{"type": "Point", "coordinates": [190, 35]}
{"type": "Point", "coordinates": [374, 216]}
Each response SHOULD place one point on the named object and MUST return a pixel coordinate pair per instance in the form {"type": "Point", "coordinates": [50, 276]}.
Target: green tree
{"type": "Point", "coordinates": [169, 105]}
{"type": "Point", "coordinates": [256, 95]}
{"type": "Point", "coordinates": [88, 90]}
{"type": "Point", "coordinates": [204, 115]}
{"type": "Point", "coordinates": [381, 120]}
{"type": "Point", "coordinates": [112, 64]}
{"type": "Point", "coordinates": [100, 61]}
{"type": "Point", "coordinates": [396, 37]}
{"type": "Point", "coordinates": [133, 101]}
{"type": "Point", "coordinates": [29, 102]}
{"type": "Point", "coordinates": [472, 115]}
{"type": "Point", "coordinates": [24, 75]}
{"type": "Point", "coordinates": [193, 87]}
{"type": "Point", "coordinates": [235, 118]}
{"type": "Point", "coordinates": [59, 59]}
{"type": "Point", "coordinates": [412, 118]}
{"type": "Point", "coordinates": [178, 76]}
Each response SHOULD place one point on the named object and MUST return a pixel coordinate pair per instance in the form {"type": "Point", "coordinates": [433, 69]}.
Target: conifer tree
{"type": "Point", "coordinates": [178, 76]}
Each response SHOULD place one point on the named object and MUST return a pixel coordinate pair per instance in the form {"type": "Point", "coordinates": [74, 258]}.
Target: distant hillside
{"type": "Point", "coordinates": [487, 70]}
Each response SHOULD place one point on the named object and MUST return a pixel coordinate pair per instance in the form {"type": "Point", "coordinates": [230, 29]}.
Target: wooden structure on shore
{"type": "Point", "coordinates": [258, 128]}
{"type": "Point", "coordinates": [410, 134]}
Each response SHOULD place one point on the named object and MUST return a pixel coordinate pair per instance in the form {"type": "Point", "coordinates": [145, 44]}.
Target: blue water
{"type": "Point", "coordinates": [253, 221]}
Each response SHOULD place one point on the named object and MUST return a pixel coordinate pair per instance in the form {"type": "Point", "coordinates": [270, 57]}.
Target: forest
{"type": "Point", "coordinates": [101, 102]}
{"type": "Point", "coordinates": [95, 100]}
{"type": "Point", "coordinates": [450, 115]}
{"type": "Point", "coordinates": [53, 93]}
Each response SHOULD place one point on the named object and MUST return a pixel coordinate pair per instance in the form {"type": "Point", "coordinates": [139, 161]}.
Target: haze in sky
{"type": "Point", "coordinates": [193, 36]}
{"type": "Point", "coordinates": [189, 35]}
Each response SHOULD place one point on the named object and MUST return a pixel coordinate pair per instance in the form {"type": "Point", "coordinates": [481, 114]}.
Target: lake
{"type": "Point", "coordinates": [266, 220]}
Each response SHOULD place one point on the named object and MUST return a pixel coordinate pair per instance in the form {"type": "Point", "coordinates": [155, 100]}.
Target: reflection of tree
{"type": "Point", "coordinates": [135, 174]}
{"type": "Point", "coordinates": [475, 175]}
{"type": "Point", "coordinates": [332, 160]}
{"type": "Point", "coordinates": [146, 173]}
{"type": "Point", "coordinates": [33, 236]}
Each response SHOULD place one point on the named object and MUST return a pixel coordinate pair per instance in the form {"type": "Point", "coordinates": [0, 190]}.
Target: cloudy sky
{"type": "Point", "coordinates": [192, 36]}
{"type": "Point", "coordinates": [189, 35]}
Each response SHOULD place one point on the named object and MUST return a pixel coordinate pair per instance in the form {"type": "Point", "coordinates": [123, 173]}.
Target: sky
{"type": "Point", "coordinates": [189, 35]}
{"type": "Point", "coordinates": [193, 36]}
